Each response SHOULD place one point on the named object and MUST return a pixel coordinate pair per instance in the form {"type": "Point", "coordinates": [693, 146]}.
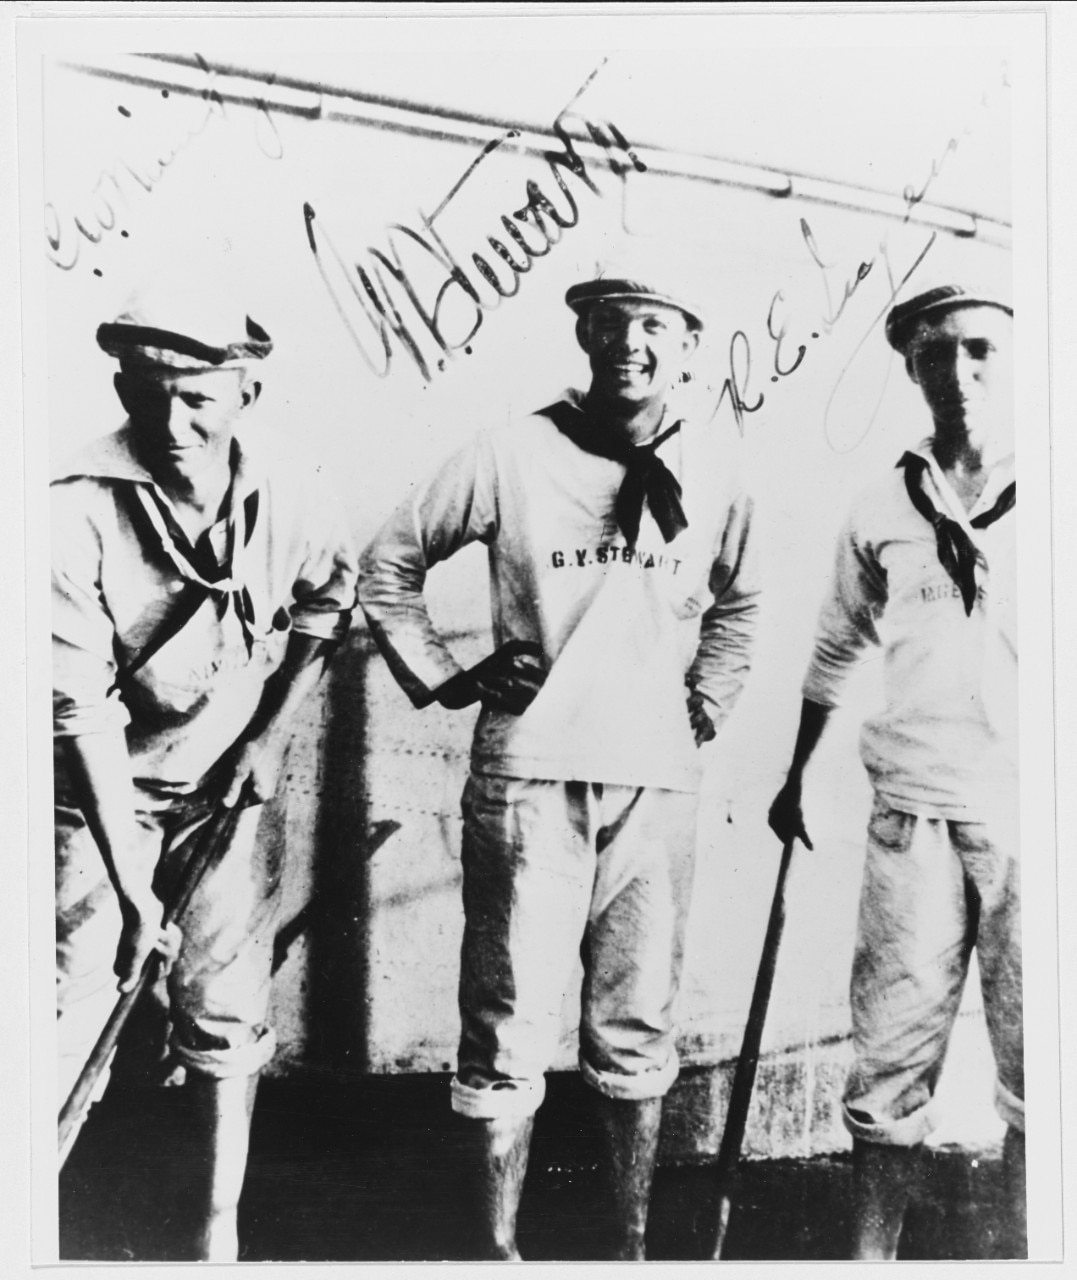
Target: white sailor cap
{"type": "Point", "coordinates": [902, 321]}
{"type": "Point", "coordinates": [646, 281]}
{"type": "Point", "coordinates": [185, 330]}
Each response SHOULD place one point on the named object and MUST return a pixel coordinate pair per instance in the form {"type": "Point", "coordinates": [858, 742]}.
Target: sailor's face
{"type": "Point", "coordinates": [963, 364]}
{"type": "Point", "coordinates": [184, 423]}
{"type": "Point", "coordinates": [637, 349]}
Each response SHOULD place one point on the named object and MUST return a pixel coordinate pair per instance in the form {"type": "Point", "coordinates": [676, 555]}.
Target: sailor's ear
{"type": "Point", "coordinates": [583, 330]}
{"type": "Point", "coordinates": [691, 342]}
{"type": "Point", "coordinates": [250, 391]}
{"type": "Point", "coordinates": [910, 368]}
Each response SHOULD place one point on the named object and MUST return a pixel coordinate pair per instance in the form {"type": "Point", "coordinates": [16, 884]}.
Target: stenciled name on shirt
{"type": "Point", "coordinates": [613, 553]}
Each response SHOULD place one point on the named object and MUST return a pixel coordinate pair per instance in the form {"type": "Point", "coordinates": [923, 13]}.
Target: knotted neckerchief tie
{"type": "Point", "coordinates": [196, 564]}
{"type": "Point", "coordinates": [957, 554]}
{"type": "Point", "coordinates": [646, 475]}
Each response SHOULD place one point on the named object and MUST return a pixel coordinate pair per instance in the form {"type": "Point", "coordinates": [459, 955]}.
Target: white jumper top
{"type": "Point", "coordinates": [622, 631]}
{"type": "Point", "coordinates": [113, 583]}
{"type": "Point", "coordinates": [945, 743]}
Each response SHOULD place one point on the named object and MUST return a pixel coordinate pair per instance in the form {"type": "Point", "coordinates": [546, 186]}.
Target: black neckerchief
{"type": "Point", "coordinates": [200, 556]}
{"type": "Point", "coordinates": [957, 554]}
{"type": "Point", "coordinates": [203, 560]}
{"type": "Point", "coordinates": [646, 475]}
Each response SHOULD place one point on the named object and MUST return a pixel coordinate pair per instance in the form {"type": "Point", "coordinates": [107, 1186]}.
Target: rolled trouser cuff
{"type": "Point", "coordinates": [1010, 1107]}
{"type": "Point", "coordinates": [635, 1086]}
{"type": "Point", "coordinates": [497, 1101]}
{"type": "Point", "coordinates": [908, 1131]}
{"type": "Point", "coordinates": [231, 1062]}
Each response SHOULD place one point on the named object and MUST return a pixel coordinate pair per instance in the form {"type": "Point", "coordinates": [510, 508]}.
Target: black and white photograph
{"type": "Point", "coordinates": [524, 502]}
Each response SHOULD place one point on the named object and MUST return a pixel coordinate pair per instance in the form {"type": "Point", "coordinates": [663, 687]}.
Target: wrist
{"type": "Point", "coordinates": [458, 691]}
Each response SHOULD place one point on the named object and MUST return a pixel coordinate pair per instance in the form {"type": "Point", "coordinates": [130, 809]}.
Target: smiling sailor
{"type": "Point", "coordinates": [624, 611]}
{"type": "Point", "coordinates": [199, 583]}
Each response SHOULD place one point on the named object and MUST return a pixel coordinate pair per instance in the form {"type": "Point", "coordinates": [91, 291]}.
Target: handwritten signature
{"type": "Point", "coordinates": [364, 296]}
{"type": "Point", "coordinates": [67, 235]}
{"type": "Point", "coordinates": [737, 384]}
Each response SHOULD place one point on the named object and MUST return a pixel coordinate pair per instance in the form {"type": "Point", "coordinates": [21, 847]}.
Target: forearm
{"type": "Point", "coordinates": [392, 576]}
{"type": "Point", "coordinates": [456, 507]}
{"type": "Point", "coordinates": [813, 720]}
{"type": "Point", "coordinates": [99, 768]}
{"type": "Point", "coordinates": [729, 627]}
{"type": "Point", "coordinates": [724, 656]}
{"type": "Point", "coordinates": [250, 773]}
{"type": "Point", "coordinates": [304, 664]}
{"type": "Point", "coordinates": [786, 817]}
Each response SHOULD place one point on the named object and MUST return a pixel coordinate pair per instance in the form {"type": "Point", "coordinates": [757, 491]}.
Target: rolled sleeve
{"type": "Point", "coordinates": [79, 702]}
{"type": "Point", "coordinates": [728, 630]}
{"type": "Point", "coordinates": [847, 619]}
{"type": "Point", "coordinates": [324, 591]}
{"type": "Point", "coordinates": [83, 632]}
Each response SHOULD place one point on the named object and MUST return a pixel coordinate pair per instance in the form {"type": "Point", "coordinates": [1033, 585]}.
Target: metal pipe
{"type": "Point", "coordinates": [194, 76]}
